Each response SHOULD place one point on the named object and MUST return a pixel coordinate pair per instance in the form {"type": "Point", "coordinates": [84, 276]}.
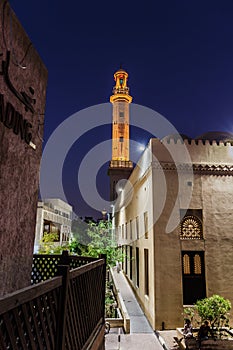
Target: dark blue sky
{"type": "Point", "coordinates": [179, 56]}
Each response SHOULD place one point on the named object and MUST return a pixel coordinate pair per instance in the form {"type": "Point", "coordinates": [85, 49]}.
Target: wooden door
{"type": "Point", "coordinates": [193, 268]}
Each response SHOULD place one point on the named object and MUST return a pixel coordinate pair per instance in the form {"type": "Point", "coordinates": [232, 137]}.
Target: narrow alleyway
{"type": "Point", "coordinates": [141, 334]}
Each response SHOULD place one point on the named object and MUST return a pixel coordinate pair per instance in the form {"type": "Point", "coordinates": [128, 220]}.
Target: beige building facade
{"type": "Point", "coordinates": [173, 221]}
{"type": "Point", "coordinates": [53, 216]}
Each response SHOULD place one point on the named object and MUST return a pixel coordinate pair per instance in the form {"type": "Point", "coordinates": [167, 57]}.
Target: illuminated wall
{"type": "Point", "coordinates": [203, 237]}
{"type": "Point", "coordinates": [23, 82]}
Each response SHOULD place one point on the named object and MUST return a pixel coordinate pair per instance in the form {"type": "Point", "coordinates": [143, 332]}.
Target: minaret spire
{"type": "Point", "coordinates": [120, 165]}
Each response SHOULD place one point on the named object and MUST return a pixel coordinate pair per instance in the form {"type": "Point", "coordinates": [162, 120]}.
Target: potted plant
{"type": "Point", "coordinates": [214, 311]}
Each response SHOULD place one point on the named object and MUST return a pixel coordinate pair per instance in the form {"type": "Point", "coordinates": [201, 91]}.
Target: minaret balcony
{"type": "Point", "coordinates": [121, 97]}
{"type": "Point", "coordinates": [121, 164]}
{"type": "Point", "coordinates": [124, 90]}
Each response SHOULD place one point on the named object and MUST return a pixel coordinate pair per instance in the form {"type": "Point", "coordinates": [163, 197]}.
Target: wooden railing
{"type": "Point", "coordinates": [45, 266]}
{"type": "Point", "coordinates": [65, 312]}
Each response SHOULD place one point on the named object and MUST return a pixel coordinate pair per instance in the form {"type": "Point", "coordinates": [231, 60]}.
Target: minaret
{"type": "Point", "coordinates": [120, 166]}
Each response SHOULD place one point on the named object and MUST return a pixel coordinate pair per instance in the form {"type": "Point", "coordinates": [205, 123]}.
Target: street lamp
{"type": "Point", "coordinates": [104, 212]}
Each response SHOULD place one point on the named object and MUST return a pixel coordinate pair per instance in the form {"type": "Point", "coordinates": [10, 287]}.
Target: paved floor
{"type": "Point", "coordinates": [141, 334]}
{"type": "Point", "coordinates": [133, 342]}
{"type": "Point", "coordinates": [167, 338]}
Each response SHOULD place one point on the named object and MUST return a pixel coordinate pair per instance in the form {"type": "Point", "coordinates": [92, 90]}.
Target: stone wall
{"type": "Point", "coordinates": [23, 82]}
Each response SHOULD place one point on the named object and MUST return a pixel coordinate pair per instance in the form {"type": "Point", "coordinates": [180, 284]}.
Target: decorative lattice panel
{"type": "Point", "coordinates": [77, 261]}
{"type": "Point", "coordinates": [186, 264]}
{"type": "Point", "coordinates": [44, 267]}
{"type": "Point", "coordinates": [33, 318]}
{"type": "Point", "coordinates": [197, 264]}
{"type": "Point", "coordinates": [191, 228]}
{"type": "Point", "coordinates": [31, 325]}
{"type": "Point", "coordinates": [85, 307]}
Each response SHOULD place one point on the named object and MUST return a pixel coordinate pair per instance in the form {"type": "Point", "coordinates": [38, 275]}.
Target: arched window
{"type": "Point", "coordinates": [191, 228]}
{"type": "Point", "coordinates": [197, 264]}
{"type": "Point", "coordinates": [186, 264]}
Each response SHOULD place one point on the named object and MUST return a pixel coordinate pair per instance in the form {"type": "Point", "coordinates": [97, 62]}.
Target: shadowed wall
{"type": "Point", "coordinates": [23, 82]}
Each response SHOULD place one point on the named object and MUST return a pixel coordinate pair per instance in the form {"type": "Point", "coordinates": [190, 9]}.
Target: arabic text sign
{"type": "Point", "coordinates": [12, 119]}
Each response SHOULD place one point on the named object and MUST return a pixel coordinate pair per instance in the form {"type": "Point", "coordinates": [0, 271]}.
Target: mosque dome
{"type": "Point", "coordinates": [216, 136]}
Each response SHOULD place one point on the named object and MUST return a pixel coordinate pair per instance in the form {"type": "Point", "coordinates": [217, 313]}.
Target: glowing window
{"type": "Point", "coordinates": [186, 264]}
{"type": "Point", "coordinates": [197, 264]}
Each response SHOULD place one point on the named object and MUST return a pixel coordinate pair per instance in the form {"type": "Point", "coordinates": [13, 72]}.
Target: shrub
{"type": "Point", "coordinates": [214, 309]}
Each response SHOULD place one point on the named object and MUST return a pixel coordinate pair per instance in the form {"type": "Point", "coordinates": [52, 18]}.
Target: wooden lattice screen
{"type": "Point", "coordinates": [63, 313]}
{"type": "Point", "coordinates": [84, 310]}
{"type": "Point", "coordinates": [28, 318]}
{"type": "Point", "coordinates": [45, 266]}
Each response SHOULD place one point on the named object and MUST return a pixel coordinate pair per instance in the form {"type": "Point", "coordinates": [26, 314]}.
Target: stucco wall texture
{"type": "Point", "coordinates": [23, 77]}
{"type": "Point", "coordinates": [209, 188]}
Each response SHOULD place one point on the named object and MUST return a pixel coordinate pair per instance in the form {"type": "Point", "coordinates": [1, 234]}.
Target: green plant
{"type": "Point", "coordinates": [98, 240]}
{"type": "Point", "coordinates": [190, 314]}
{"type": "Point", "coordinates": [101, 242]}
{"type": "Point", "coordinates": [110, 301]}
{"type": "Point", "coordinates": [214, 309]}
{"type": "Point", "coordinates": [76, 248]}
{"type": "Point", "coordinates": [48, 244]}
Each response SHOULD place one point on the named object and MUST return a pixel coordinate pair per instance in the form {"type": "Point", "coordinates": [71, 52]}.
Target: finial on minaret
{"type": "Point", "coordinates": [121, 90]}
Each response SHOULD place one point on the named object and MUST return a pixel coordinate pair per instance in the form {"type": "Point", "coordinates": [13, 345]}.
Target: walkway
{"type": "Point", "coordinates": [141, 334]}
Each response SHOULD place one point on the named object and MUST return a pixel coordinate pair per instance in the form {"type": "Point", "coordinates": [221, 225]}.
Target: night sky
{"type": "Point", "coordinates": [178, 53]}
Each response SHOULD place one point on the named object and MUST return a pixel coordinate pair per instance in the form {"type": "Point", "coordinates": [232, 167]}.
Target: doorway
{"type": "Point", "coordinates": [193, 271]}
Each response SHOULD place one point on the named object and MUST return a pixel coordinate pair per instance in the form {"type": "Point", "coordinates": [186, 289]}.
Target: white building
{"type": "Point", "coordinates": [53, 216]}
{"type": "Point", "coordinates": [174, 224]}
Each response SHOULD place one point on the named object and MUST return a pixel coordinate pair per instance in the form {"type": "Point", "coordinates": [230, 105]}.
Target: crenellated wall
{"type": "Point", "coordinates": [202, 151]}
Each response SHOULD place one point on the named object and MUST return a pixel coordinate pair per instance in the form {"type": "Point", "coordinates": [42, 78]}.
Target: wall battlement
{"type": "Point", "coordinates": [196, 142]}
{"type": "Point", "coordinates": [195, 151]}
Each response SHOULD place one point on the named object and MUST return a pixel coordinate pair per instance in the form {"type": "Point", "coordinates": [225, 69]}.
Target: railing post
{"type": "Point", "coordinates": [103, 256]}
{"type": "Point", "coordinates": [63, 270]}
{"type": "Point", "coordinates": [65, 259]}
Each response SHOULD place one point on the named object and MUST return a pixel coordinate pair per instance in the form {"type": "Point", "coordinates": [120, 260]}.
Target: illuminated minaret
{"type": "Point", "coordinates": [120, 166]}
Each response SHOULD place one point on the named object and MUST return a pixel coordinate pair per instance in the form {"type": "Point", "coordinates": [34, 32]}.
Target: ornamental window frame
{"type": "Point", "coordinates": [191, 228]}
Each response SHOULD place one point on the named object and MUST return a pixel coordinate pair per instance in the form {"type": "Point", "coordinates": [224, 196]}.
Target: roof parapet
{"type": "Point", "coordinates": [197, 142]}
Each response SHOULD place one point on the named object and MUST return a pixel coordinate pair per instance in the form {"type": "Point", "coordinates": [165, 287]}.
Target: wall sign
{"type": "Point", "coordinates": [22, 95]}
{"type": "Point", "coordinates": [9, 116]}
{"type": "Point", "coordinates": [14, 120]}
